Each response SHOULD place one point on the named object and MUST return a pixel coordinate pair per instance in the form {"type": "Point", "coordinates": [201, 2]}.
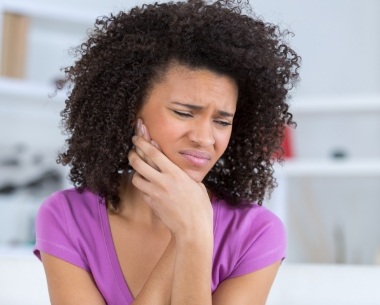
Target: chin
{"type": "Point", "coordinates": [196, 176]}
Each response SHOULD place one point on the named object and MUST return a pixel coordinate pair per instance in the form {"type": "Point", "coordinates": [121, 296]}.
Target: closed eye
{"type": "Point", "coordinates": [182, 114]}
{"type": "Point", "coordinates": [223, 123]}
{"type": "Point", "coordinates": [189, 115]}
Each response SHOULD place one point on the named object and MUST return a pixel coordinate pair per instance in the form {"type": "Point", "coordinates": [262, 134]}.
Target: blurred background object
{"type": "Point", "coordinates": [15, 28]}
{"type": "Point", "coordinates": [329, 190]}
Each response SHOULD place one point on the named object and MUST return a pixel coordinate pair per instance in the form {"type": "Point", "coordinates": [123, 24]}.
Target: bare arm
{"type": "Point", "coordinates": [192, 271]}
{"type": "Point", "coordinates": [250, 289]}
{"type": "Point", "coordinates": [69, 284]}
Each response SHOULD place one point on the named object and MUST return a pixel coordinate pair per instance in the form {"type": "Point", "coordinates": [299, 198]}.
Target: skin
{"type": "Point", "coordinates": [183, 129]}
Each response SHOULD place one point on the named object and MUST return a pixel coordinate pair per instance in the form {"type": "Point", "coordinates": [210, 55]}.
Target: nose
{"type": "Point", "coordinates": [202, 134]}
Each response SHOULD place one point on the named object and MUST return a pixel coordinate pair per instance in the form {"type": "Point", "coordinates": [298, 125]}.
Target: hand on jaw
{"type": "Point", "coordinates": [182, 204]}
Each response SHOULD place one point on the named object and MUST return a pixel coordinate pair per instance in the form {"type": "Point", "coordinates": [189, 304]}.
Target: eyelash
{"type": "Point", "coordinates": [188, 115]}
{"type": "Point", "coordinates": [223, 123]}
{"type": "Point", "coordinates": [183, 114]}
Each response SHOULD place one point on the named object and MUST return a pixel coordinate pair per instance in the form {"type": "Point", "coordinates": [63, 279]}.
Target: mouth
{"type": "Point", "coordinates": [196, 158]}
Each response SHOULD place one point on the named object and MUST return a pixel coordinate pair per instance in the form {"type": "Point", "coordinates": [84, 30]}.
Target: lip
{"type": "Point", "coordinates": [196, 157]}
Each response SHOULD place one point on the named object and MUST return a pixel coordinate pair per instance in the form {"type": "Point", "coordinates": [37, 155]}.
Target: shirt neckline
{"type": "Point", "coordinates": [112, 255]}
{"type": "Point", "coordinates": [111, 250]}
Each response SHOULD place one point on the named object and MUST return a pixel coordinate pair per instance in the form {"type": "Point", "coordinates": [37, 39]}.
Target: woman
{"type": "Point", "coordinates": [174, 118]}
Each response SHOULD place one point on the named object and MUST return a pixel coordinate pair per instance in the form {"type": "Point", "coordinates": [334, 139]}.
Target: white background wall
{"type": "Point", "coordinates": [338, 40]}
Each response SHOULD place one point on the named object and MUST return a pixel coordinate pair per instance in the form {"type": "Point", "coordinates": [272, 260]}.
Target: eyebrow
{"type": "Point", "coordinates": [197, 107]}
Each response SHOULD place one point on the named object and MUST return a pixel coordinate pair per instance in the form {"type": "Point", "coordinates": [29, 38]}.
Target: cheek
{"type": "Point", "coordinates": [152, 120]}
{"type": "Point", "coordinates": [222, 141]}
{"type": "Point", "coordinates": [162, 130]}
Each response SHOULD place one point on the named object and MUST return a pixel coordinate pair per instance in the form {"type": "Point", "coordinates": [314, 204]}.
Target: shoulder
{"type": "Point", "coordinates": [69, 196]}
{"type": "Point", "coordinates": [68, 211]}
{"type": "Point", "coordinates": [65, 223]}
{"type": "Point", "coordinates": [246, 238]}
{"type": "Point", "coordinates": [69, 202]}
{"type": "Point", "coordinates": [248, 218]}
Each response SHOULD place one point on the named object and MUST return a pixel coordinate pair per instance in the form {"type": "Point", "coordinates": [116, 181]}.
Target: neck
{"type": "Point", "coordinates": [132, 207]}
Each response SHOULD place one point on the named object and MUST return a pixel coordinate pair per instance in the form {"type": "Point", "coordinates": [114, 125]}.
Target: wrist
{"type": "Point", "coordinates": [194, 239]}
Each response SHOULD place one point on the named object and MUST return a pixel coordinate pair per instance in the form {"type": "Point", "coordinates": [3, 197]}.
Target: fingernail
{"type": "Point", "coordinates": [142, 129]}
{"type": "Point", "coordinates": [138, 126]}
{"type": "Point", "coordinates": [154, 143]}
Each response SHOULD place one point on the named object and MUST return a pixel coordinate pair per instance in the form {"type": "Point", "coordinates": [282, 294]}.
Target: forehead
{"type": "Point", "coordinates": [196, 86]}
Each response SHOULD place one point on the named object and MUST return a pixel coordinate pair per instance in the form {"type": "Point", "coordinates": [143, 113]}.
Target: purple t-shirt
{"type": "Point", "coordinates": [75, 228]}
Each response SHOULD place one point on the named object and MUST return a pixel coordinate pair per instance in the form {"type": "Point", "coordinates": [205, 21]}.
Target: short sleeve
{"type": "Point", "coordinates": [54, 232]}
{"type": "Point", "coordinates": [263, 243]}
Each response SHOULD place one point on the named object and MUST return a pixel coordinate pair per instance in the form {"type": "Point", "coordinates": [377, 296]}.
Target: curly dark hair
{"type": "Point", "coordinates": [125, 54]}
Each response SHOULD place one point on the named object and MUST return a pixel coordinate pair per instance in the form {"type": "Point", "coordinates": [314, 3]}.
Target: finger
{"type": "Point", "coordinates": [142, 130]}
{"type": "Point", "coordinates": [154, 143]}
{"type": "Point", "coordinates": [145, 186]}
{"type": "Point", "coordinates": [146, 136]}
{"type": "Point", "coordinates": [139, 131]}
{"type": "Point", "coordinates": [147, 189]}
{"type": "Point", "coordinates": [141, 183]}
{"type": "Point", "coordinates": [143, 168]}
{"type": "Point", "coordinates": [153, 153]}
{"type": "Point", "coordinates": [145, 132]}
